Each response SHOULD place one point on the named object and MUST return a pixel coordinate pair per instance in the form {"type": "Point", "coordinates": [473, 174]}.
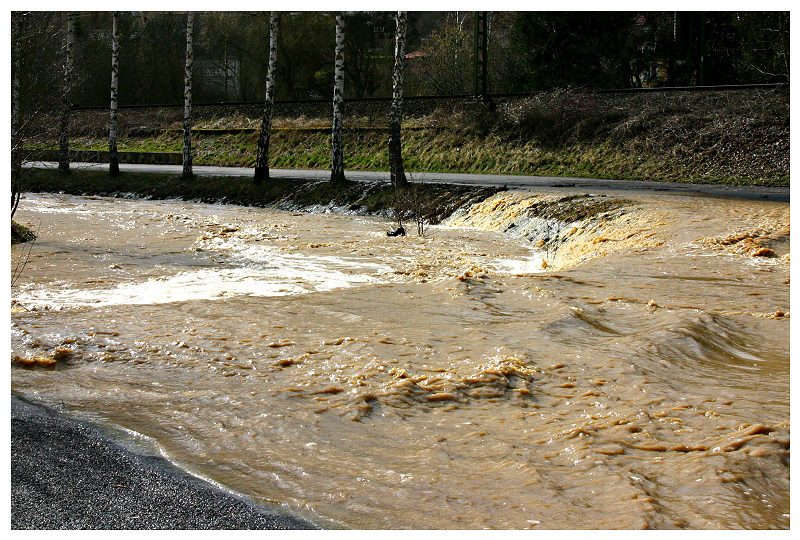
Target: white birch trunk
{"type": "Point", "coordinates": [337, 147]}
{"type": "Point", "coordinates": [398, 175]}
{"type": "Point", "coordinates": [187, 97]}
{"type": "Point", "coordinates": [63, 138]}
{"type": "Point", "coordinates": [113, 162]}
{"type": "Point", "coordinates": [262, 157]}
{"type": "Point", "coordinates": [16, 164]}
{"type": "Point", "coordinates": [14, 91]}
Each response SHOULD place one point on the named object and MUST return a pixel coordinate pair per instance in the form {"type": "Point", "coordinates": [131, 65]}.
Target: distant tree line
{"type": "Point", "coordinates": [528, 51]}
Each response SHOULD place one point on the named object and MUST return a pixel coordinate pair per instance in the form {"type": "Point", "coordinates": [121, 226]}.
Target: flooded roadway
{"type": "Point", "coordinates": [632, 372]}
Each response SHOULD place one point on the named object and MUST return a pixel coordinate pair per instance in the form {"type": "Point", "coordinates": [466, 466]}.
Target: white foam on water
{"type": "Point", "coordinates": [531, 264]}
{"type": "Point", "coordinates": [66, 204]}
{"type": "Point", "coordinates": [251, 270]}
{"type": "Point", "coordinates": [262, 255]}
{"type": "Point", "coordinates": [526, 265]}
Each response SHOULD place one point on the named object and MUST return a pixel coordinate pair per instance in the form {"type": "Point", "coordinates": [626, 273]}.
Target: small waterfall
{"type": "Point", "coordinates": [558, 225]}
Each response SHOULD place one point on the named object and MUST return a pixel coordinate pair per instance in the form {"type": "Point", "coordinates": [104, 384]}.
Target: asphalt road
{"type": "Point", "coordinates": [66, 474]}
{"type": "Point", "coordinates": [542, 183]}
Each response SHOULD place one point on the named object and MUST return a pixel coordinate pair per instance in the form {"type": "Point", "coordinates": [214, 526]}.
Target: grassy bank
{"type": "Point", "coordinates": [456, 152]}
{"type": "Point", "coordinates": [21, 233]}
{"type": "Point", "coordinates": [735, 137]}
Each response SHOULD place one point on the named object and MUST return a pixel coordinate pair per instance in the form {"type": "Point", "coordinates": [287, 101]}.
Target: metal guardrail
{"type": "Point", "coordinates": [454, 97]}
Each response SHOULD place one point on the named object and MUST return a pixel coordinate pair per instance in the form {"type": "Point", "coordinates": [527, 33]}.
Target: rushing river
{"type": "Point", "coordinates": [635, 375]}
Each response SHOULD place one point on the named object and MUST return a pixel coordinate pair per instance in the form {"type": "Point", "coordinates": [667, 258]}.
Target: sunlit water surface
{"type": "Point", "coordinates": [444, 381]}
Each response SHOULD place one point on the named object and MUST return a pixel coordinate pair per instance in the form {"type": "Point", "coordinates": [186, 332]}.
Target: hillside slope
{"type": "Point", "coordinates": [732, 137]}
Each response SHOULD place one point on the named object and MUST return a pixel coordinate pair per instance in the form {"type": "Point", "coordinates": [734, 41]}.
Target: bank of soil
{"type": "Point", "coordinates": [733, 137]}
{"type": "Point", "coordinates": [68, 475]}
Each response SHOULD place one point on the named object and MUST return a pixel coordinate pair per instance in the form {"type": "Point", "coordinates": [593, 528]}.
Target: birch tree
{"type": "Point", "coordinates": [187, 97]}
{"type": "Point", "coordinates": [16, 165]}
{"type": "Point", "coordinates": [113, 161]}
{"type": "Point", "coordinates": [398, 175]}
{"type": "Point", "coordinates": [262, 156]}
{"type": "Point", "coordinates": [337, 148]}
{"type": "Point", "coordinates": [63, 138]}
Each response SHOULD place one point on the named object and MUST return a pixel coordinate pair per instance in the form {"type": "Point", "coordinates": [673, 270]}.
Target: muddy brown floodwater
{"type": "Point", "coordinates": [630, 372]}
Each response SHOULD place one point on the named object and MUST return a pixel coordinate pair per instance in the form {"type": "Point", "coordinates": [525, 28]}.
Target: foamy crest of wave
{"type": "Point", "coordinates": [73, 205]}
{"type": "Point", "coordinates": [526, 265]}
{"type": "Point", "coordinates": [258, 271]}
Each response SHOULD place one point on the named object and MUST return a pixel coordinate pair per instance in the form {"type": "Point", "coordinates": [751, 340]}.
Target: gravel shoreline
{"type": "Point", "coordinates": [66, 474]}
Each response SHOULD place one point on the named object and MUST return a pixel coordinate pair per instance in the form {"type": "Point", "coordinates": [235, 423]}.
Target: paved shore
{"type": "Point", "coordinates": [68, 475]}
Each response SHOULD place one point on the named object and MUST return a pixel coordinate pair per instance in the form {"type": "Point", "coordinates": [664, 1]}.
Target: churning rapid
{"type": "Point", "coordinates": [537, 361]}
